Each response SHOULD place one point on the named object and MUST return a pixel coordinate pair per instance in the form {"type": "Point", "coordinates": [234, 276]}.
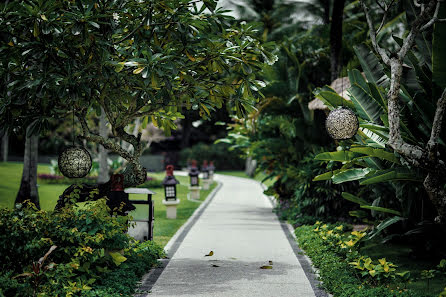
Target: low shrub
{"type": "Point", "coordinates": [93, 252]}
{"type": "Point", "coordinates": [331, 250]}
{"type": "Point", "coordinates": [52, 179]}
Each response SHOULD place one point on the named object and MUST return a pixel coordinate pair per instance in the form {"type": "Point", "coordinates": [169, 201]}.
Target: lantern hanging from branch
{"type": "Point", "coordinates": [342, 123]}
{"type": "Point", "coordinates": [74, 162]}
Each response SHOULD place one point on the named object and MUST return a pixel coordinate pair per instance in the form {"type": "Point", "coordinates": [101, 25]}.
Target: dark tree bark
{"type": "Point", "coordinates": [28, 185]}
{"type": "Point", "coordinates": [103, 175]}
{"type": "Point", "coordinates": [187, 127]}
{"type": "Point", "coordinates": [5, 144]}
{"type": "Point", "coordinates": [337, 17]}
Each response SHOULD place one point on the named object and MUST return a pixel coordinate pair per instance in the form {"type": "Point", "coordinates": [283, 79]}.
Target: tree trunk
{"type": "Point", "coordinates": [435, 187]}
{"type": "Point", "coordinates": [28, 185]}
{"type": "Point", "coordinates": [5, 143]}
{"type": "Point", "coordinates": [103, 175]}
{"type": "Point", "coordinates": [337, 17]}
{"type": "Point", "coordinates": [187, 127]}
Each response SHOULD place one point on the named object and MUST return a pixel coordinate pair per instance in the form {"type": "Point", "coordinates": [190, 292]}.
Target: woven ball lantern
{"type": "Point", "coordinates": [342, 123]}
{"type": "Point", "coordinates": [74, 162]}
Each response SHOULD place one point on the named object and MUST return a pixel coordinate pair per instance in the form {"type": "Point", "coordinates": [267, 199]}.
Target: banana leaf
{"type": "Point", "coordinates": [351, 175]}
{"type": "Point", "coordinates": [371, 65]}
{"type": "Point", "coordinates": [374, 152]}
{"type": "Point", "coordinates": [353, 198]}
{"type": "Point", "coordinates": [384, 224]}
{"type": "Point", "coordinates": [381, 209]}
{"type": "Point", "coordinates": [326, 175]}
{"type": "Point", "coordinates": [332, 100]}
{"type": "Point", "coordinates": [400, 173]}
{"type": "Point", "coordinates": [371, 138]}
{"type": "Point", "coordinates": [366, 106]}
{"type": "Point", "coordinates": [339, 156]}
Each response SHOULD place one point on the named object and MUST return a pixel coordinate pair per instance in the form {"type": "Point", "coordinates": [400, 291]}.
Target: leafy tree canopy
{"type": "Point", "coordinates": [135, 59]}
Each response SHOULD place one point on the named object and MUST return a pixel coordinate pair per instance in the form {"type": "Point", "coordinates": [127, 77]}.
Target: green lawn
{"type": "Point", "coordinates": [259, 176]}
{"type": "Point", "coordinates": [164, 229]}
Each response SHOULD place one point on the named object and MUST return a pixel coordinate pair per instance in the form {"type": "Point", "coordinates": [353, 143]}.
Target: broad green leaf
{"type": "Point", "coordinates": [380, 176]}
{"type": "Point", "coordinates": [371, 65]}
{"type": "Point", "coordinates": [384, 224]}
{"type": "Point", "coordinates": [376, 152]}
{"type": "Point", "coordinates": [117, 258]}
{"type": "Point", "coordinates": [371, 138]}
{"type": "Point", "coordinates": [326, 175]}
{"type": "Point", "coordinates": [339, 156]}
{"type": "Point", "coordinates": [333, 100]}
{"type": "Point", "coordinates": [354, 76]}
{"type": "Point", "coordinates": [353, 198]}
{"type": "Point", "coordinates": [381, 209]}
{"type": "Point", "coordinates": [366, 106]}
{"type": "Point", "coordinates": [350, 175]}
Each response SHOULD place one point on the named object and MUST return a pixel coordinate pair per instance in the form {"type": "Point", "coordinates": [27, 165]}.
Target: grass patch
{"type": "Point", "coordinates": [164, 229]}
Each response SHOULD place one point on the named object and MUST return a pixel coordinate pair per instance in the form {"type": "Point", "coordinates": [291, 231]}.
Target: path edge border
{"type": "Point", "coordinates": [149, 279]}
{"type": "Point", "coordinates": [311, 272]}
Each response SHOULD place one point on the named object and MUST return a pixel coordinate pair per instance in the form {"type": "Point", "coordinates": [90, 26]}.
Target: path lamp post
{"type": "Point", "coordinates": [211, 169]}
{"type": "Point", "coordinates": [205, 171]}
{"type": "Point", "coordinates": [194, 188]}
{"type": "Point", "coordinates": [170, 193]}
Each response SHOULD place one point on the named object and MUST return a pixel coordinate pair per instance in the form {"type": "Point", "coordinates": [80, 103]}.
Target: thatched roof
{"type": "Point", "coordinates": [340, 85]}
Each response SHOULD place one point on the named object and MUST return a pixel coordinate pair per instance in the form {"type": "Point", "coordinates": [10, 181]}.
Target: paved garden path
{"type": "Point", "coordinates": [238, 225]}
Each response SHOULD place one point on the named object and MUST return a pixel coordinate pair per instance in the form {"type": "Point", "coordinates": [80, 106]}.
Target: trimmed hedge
{"type": "Point", "coordinates": [337, 276]}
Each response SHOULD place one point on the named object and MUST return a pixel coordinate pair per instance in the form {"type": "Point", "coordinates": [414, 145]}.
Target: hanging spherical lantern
{"type": "Point", "coordinates": [342, 123]}
{"type": "Point", "coordinates": [74, 162]}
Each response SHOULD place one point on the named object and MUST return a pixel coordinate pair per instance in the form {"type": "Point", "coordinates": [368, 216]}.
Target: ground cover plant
{"type": "Point", "coordinates": [348, 266]}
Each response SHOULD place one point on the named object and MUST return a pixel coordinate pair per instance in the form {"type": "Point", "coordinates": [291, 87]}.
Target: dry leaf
{"type": "Point", "coordinates": [211, 253]}
{"type": "Point", "coordinates": [266, 267]}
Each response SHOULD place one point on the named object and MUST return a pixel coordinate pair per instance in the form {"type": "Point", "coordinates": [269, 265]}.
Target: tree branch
{"type": "Point", "coordinates": [107, 143]}
{"type": "Point", "coordinates": [436, 127]}
{"type": "Point", "coordinates": [372, 35]}
{"type": "Point", "coordinates": [416, 28]}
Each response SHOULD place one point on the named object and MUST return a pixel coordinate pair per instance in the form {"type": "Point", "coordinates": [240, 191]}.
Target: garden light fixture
{"type": "Point", "coordinates": [170, 184]}
{"type": "Point", "coordinates": [193, 174]}
{"type": "Point", "coordinates": [74, 162]}
{"type": "Point", "coordinates": [342, 123]}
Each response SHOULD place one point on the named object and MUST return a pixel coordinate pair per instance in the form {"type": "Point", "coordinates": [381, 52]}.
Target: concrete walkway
{"type": "Point", "coordinates": [239, 227]}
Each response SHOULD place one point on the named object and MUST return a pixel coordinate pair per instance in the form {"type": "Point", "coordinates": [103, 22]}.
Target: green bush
{"type": "Point", "coordinates": [223, 158]}
{"type": "Point", "coordinates": [337, 275]}
{"type": "Point", "coordinates": [93, 252]}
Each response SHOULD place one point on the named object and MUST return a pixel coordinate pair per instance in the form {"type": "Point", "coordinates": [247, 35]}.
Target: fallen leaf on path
{"type": "Point", "coordinates": [215, 265]}
{"type": "Point", "coordinates": [266, 267]}
{"type": "Point", "coordinates": [270, 262]}
{"type": "Point", "coordinates": [211, 253]}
